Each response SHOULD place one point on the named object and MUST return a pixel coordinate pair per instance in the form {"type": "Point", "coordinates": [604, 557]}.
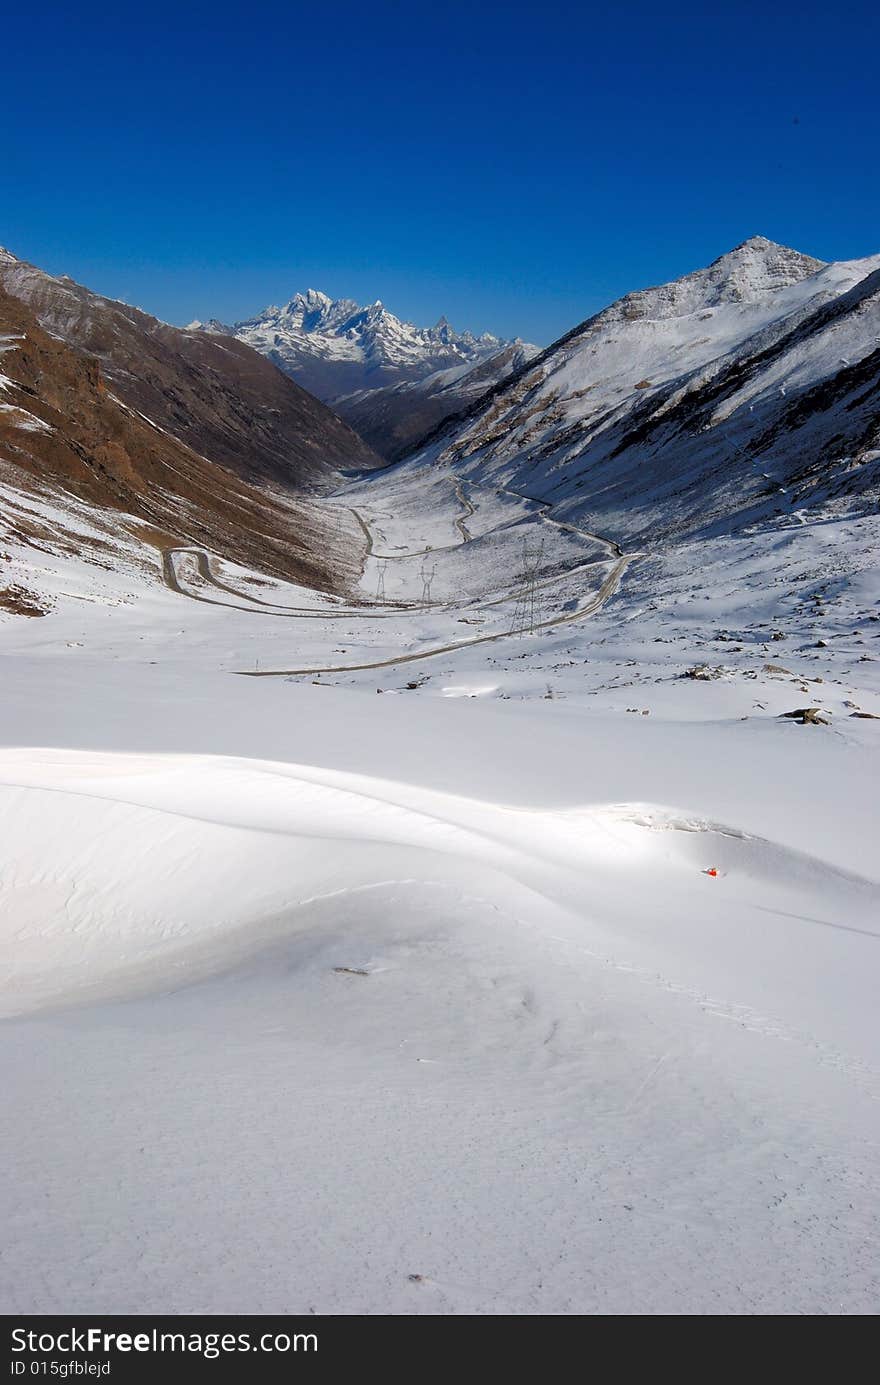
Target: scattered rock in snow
{"type": "Point", "coordinates": [21, 602]}
{"type": "Point", "coordinates": [807, 716]}
{"type": "Point", "coordinates": [702, 672]}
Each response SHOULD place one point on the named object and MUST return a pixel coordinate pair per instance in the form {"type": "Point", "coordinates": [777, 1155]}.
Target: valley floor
{"type": "Point", "coordinates": [322, 1001]}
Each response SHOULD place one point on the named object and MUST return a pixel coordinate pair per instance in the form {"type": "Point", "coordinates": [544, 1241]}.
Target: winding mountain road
{"type": "Point", "coordinates": [266, 608]}
{"type": "Point", "coordinates": [605, 591]}
{"type": "Point", "coordinates": [471, 509]}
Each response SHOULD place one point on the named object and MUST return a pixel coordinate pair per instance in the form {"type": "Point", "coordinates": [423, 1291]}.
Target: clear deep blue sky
{"type": "Point", "coordinates": [512, 166]}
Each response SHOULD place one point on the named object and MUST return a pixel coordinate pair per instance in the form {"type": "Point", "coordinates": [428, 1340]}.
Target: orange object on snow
{"type": "Point", "coordinates": [710, 871]}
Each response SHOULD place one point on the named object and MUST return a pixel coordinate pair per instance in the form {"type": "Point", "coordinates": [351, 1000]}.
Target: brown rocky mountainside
{"type": "Point", "coordinates": [215, 394]}
{"type": "Point", "coordinates": [238, 483]}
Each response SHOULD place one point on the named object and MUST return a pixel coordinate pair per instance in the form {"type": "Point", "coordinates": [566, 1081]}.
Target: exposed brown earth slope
{"type": "Point", "coordinates": [69, 427]}
{"type": "Point", "coordinates": [215, 394]}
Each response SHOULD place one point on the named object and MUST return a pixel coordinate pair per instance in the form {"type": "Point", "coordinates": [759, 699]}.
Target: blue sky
{"type": "Point", "coordinates": [512, 166]}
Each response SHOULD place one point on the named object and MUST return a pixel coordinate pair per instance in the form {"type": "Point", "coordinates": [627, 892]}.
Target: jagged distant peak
{"type": "Point", "coordinates": [212, 326]}
{"type": "Point", "coordinates": [315, 312]}
{"type": "Point", "coordinates": [312, 305]}
{"type": "Point", "coordinates": [312, 327]}
{"type": "Point", "coordinates": [313, 300]}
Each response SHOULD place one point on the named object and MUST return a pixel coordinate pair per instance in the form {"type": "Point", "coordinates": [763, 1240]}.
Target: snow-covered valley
{"type": "Point", "coordinates": [426, 1003]}
{"type": "Point", "coordinates": [476, 935]}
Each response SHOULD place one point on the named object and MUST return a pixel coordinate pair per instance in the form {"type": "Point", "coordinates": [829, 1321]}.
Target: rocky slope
{"type": "Point", "coordinates": [121, 437]}
{"type": "Point", "coordinates": [392, 420]}
{"type": "Point", "coordinates": [746, 390]}
{"type": "Point", "coordinates": [212, 393]}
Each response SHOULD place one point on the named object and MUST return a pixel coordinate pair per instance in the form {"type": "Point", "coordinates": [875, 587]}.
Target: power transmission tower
{"type": "Point", "coordinates": [526, 611]}
{"type": "Point", "coordinates": [380, 582]}
{"type": "Point", "coordinates": [428, 575]}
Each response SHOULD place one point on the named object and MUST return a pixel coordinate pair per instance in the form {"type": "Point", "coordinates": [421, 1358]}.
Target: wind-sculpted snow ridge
{"type": "Point", "coordinates": [251, 838]}
{"type": "Point", "coordinates": [542, 982]}
{"type": "Point", "coordinates": [427, 1011]}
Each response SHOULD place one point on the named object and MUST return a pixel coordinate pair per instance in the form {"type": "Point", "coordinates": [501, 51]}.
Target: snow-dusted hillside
{"type": "Point", "coordinates": [480, 917]}
{"type": "Point", "coordinates": [745, 390]}
{"type": "Point", "coordinates": [212, 394]}
{"type": "Point", "coordinates": [393, 419]}
{"type": "Point", "coordinates": [359, 358]}
{"type": "Point", "coordinates": [122, 438]}
{"type": "Point", "coordinates": [426, 1003]}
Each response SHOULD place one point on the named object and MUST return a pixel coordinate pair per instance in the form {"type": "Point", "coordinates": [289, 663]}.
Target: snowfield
{"type": "Point", "coordinates": [487, 937]}
{"type": "Point", "coordinates": [318, 1001]}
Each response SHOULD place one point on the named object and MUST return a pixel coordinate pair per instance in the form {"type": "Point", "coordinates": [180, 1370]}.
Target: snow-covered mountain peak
{"type": "Point", "coordinates": [365, 361]}
{"type": "Point", "coordinates": [377, 312]}
{"type": "Point", "coordinates": [312, 301]}
{"type": "Point", "coordinates": [758, 266]}
{"type": "Point", "coordinates": [744, 389]}
{"type": "Point", "coordinates": [336, 347]}
{"type": "Point", "coordinates": [213, 326]}
{"type": "Point", "coordinates": [315, 314]}
{"type": "Point", "coordinates": [307, 312]}
{"type": "Point", "coordinates": [746, 274]}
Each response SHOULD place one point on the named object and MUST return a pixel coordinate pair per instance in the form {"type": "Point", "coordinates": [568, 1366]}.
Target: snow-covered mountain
{"type": "Point", "coordinates": [216, 395]}
{"type": "Point", "coordinates": [394, 419]}
{"type": "Point", "coordinates": [745, 390]}
{"type": "Point", "coordinates": [568, 934]}
{"type": "Point", "coordinates": [356, 358]}
{"type": "Point", "coordinates": [334, 347]}
{"type": "Point", "coordinates": [122, 437]}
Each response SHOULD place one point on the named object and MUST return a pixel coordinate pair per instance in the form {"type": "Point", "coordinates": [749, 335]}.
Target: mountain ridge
{"type": "Point", "coordinates": [358, 358]}
{"type": "Point", "coordinates": [121, 435]}
{"type": "Point", "coordinates": [214, 394]}
{"type": "Point", "coordinates": [343, 330]}
{"type": "Point", "coordinates": [597, 424]}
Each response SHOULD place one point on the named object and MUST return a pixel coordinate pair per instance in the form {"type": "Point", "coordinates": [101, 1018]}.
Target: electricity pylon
{"type": "Point", "coordinates": [526, 610]}
{"type": "Point", "coordinates": [428, 575]}
{"type": "Point", "coordinates": [380, 582]}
